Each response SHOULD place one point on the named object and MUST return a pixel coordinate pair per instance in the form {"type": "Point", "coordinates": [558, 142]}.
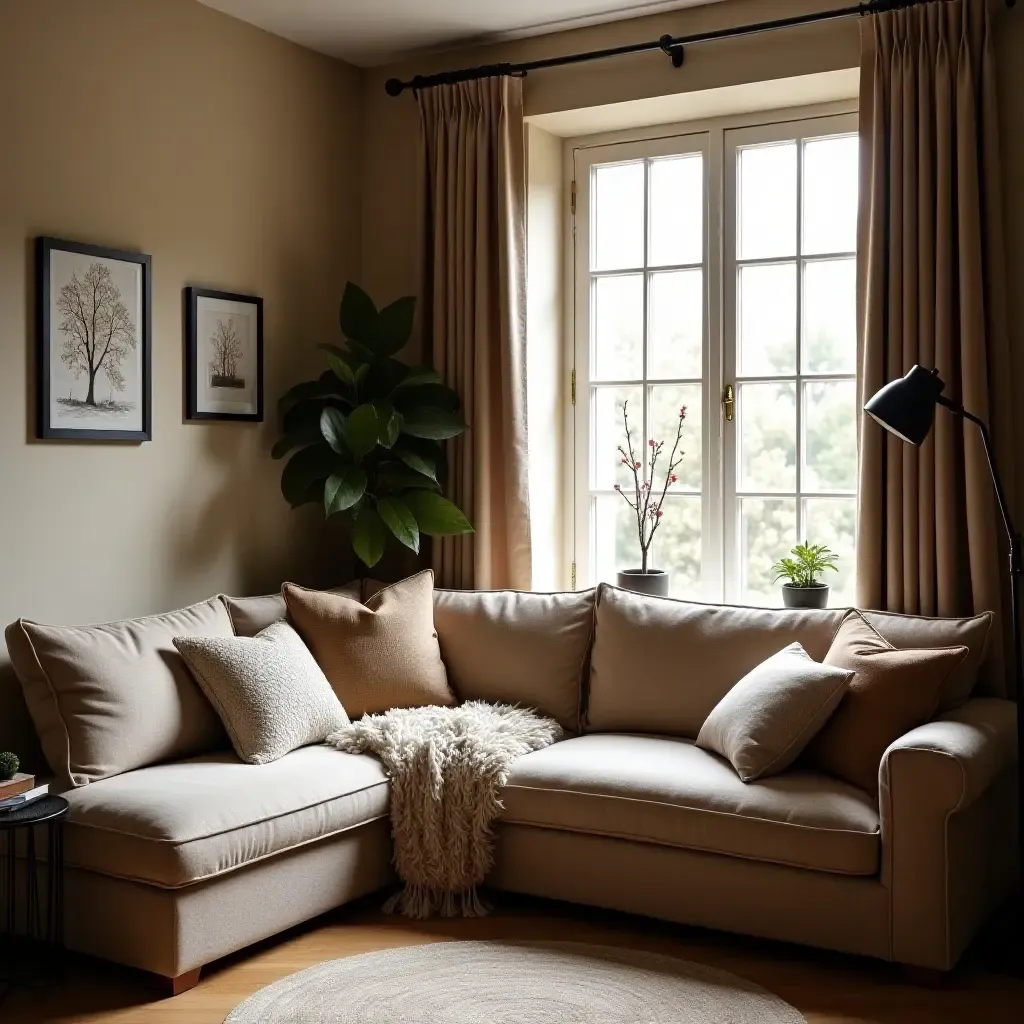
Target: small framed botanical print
{"type": "Point", "coordinates": [93, 351]}
{"type": "Point", "coordinates": [223, 356]}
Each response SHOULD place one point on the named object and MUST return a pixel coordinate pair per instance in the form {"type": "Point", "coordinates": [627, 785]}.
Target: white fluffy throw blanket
{"type": "Point", "coordinates": [447, 767]}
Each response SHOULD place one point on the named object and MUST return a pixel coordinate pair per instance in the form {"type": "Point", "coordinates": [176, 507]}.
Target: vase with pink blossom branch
{"type": "Point", "coordinates": [647, 500]}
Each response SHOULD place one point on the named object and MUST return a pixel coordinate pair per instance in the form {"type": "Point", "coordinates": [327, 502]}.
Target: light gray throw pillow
{"type": "Point", "coordinates": [763, 723]}
{"type": "Point", "coordinates": [268, 690]}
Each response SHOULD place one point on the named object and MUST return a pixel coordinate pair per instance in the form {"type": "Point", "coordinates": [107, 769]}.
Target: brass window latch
{"type": "Point", "coordinates": [729, 402]}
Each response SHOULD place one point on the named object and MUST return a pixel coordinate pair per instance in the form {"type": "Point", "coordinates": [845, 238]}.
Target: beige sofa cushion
{"type": "Point", "coordinates": [763, 723]}
{"type": "Point", "coordinates": [517, 648]}
{"type": "Point", "coordinates": [251, 615]}
{"type": "Point", "coordinates": [376, 656]}
{"type": "Point", "coordinates": [659, 790]}
{"type": "Point", "coordinates": [661, 666]}
{"type": "Point", "coordinates": [109, 698]}
{"type": "Point", "coordinates": [175, 824]}
{"type": "Point", "coordinates": [921, 631]}
{"type": "Point", "coordinates": [267, 689]}
{"type": "Point", "coordinates": [892, 691]}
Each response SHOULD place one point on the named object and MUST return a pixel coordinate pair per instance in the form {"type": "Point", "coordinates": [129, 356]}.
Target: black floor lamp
{"type": "Point", "coordinates": [906, 408]}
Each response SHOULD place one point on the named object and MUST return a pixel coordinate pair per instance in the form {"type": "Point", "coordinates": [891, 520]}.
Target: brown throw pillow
{"type": "Point", "coordinates": [892, 692]}
{"type": "Point", "coordinates": [376, 656]}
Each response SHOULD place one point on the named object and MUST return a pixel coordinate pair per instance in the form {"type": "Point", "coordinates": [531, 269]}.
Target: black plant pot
{"type": "Point", "coordinates": [653, 582]}
{"type": "Point", "coordinates": [805, 597]}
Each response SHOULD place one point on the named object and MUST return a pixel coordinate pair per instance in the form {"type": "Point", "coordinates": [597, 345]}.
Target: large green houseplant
{"type": "Point", "coordinates": [368, 434]}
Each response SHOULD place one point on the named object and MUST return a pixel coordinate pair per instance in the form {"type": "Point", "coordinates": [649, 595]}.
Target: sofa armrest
{"type": "Point", "coordinates": [947, 807]}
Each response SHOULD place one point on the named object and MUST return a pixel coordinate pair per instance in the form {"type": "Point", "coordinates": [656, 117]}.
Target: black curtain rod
{"type": "Point", "coordinates": [673, 46]}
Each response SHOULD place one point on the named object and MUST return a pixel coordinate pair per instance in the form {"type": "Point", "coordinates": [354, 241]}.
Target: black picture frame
{"type": "Point", "coordinates": [45, 430]}
{"type": "Point", "coordinates": [193, 294]}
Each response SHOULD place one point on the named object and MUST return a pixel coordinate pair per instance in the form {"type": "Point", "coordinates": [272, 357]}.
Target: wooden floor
{"type": "Point", "coordinates": [826, 988]}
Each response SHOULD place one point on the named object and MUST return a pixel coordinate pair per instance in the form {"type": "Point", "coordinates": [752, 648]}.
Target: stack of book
{"type": "Point", "coordinates": [19, 791]}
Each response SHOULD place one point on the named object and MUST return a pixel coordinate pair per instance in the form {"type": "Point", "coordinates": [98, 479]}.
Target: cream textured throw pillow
{"type": "Point", "coordinates": [763, 723]}
{"type": "Point", "coordinates": [379, 655]}
{"type": "Point", "coordinates": [268, 690]}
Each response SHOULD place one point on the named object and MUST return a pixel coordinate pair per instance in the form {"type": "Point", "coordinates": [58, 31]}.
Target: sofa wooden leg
{"type": "Point", "coordinates": [924, 977]}
{"type": "Point", "coordinates": [183, 982]}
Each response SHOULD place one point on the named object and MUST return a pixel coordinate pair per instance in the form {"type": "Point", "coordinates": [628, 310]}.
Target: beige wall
{"type": "Point", "coordinates": [231, 157]}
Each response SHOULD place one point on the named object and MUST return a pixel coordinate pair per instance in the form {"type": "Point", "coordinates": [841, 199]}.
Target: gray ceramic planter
{"type": "Point", "coordinates": [653, 582]}
{"type": "Point", "coordinates": [805, 597]}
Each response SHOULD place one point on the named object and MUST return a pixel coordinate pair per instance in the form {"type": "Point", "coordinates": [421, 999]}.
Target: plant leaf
{"type": "Point", "coordinates": [369, 536]}
{"type": "Point", "coordinates": [306, 467]}
{"type": "Point", "coordinates": [384, 375]}
{"type": "Point", "coordinates": [358, 316]}
{"type": "Point", "coordinates": [400, 521]}
{"type": "Point", "coordinates": [435, 514]}
{"type": "Point", "coordinates": [394, 326]}
{"type": "Point", "coordinates": [340, 369]}
{"type": "Point", "coordinates": [302, 421]}
{"type": "Point", "coordinates": [344, 489]}
{"type": "Point", "coordinates": [306, 390]}
{"type": "Point", "coordinates": [333, 429]}
{"type": "Point", "coordinates": [432, 422]}
{"type": "Point", "coordinates": [283, 445]}
{"type": "Point", "coordinates": [419, 463]}
{"type": "Point", "coordinates": [428, 394]}
{"type": "Point", "coordinates": [390, 423]}
{"type": "Point", "coordinates": [394, 477]}
{"type": "Point", "coordinates": [362, 430]}
{"type": "Point", "coordinates": [361, 372]}
{"type": "Point", "coordinates": [418, 377]}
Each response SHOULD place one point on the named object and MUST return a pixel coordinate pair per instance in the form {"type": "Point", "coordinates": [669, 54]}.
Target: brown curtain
{"type": "Point", "coordinates": [473, 302]}
{"type": "Point", "coordinates": [931, 291]}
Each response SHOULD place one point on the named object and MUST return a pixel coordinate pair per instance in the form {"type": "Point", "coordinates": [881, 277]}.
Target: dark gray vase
{"type": "Point", "coordinates": [653, 582]}
{"type": "Point", "coordinates": [805, 597]}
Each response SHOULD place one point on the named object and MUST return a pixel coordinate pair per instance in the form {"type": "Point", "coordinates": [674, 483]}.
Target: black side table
{"type": "Point", "coordinates": [34, 939]}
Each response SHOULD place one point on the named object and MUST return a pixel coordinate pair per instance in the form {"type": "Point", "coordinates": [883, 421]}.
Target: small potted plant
{"type": "Point", "coordinates": [9, 765]}
{"type": "Point", "coordinates": [806, 563]}
{"type": "Point", "coordinates": [646, 504]}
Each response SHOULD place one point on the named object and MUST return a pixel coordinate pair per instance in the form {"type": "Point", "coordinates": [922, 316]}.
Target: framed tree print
{"type": "Point", "coordinates": [94, 343]}
{"type": "Point", "coordinates": [223, 356]}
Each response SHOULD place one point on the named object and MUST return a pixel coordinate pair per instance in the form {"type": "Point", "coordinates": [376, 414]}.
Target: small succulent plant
{"type": "Point", "coordinates": [9, 765]}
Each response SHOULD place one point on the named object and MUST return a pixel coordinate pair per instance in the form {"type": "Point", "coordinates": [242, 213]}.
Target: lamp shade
{"type": "Point", "coordinates": [906, 407]}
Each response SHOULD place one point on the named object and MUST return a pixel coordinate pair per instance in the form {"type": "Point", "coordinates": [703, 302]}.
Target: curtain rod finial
{"type": "Point", "coordinates": [394, 87]}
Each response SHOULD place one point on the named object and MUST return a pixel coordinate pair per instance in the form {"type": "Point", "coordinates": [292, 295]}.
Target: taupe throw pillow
{"type": "Point", "coordinates": [892, 692]}
{"type": "Point", "coordinates": [376, 656]}
{"type": "Point", "coordinates": [109, 698]}
{"type": "Point", "coordinates": [661, 666]}
{"type": "Point", "coordinates": [508, 647]}
{"type": "Point", "coordinates": [763, 723]}
{"type": "Point", "coordinates": [249, 615]}
{"type": "Point", "coordinates": [268, 690]}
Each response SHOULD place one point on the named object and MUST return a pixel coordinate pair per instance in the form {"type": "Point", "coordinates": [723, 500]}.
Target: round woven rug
{"type": "Point", "coordinates": [509, 983]}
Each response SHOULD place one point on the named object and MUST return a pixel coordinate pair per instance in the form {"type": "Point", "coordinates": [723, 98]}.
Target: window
{"type": "Point", "coordinates": [716, 271]}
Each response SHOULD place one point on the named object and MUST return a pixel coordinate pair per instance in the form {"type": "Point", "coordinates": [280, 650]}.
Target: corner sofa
{"type": "Point", "coordinates": [172, 865]}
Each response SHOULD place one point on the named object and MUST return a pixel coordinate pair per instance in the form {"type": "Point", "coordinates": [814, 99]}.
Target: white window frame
{"type": "Point", "coordinates": [735, 139]}
{"type": "Point", "coordinates": [717, 139]}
